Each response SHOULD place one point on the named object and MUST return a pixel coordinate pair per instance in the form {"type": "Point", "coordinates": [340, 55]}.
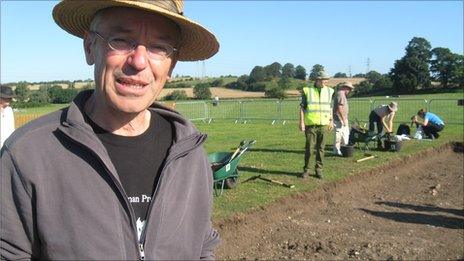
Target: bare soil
{"type": "Point", "coordinates": [409, 209]}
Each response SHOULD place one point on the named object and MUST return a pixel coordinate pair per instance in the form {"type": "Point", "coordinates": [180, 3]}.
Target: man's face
{"type": "Point", "coordinates": [321, 82]}
{"type": "Point", "coordinates": [4, 102]}
{"type": "Point", "coordinates": [129, 83]}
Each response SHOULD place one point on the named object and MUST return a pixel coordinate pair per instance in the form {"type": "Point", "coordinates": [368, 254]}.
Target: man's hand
{"type": "Point", "coordinates": [331, 126]}
{"type": "Point", "coordinates": [302, 126]}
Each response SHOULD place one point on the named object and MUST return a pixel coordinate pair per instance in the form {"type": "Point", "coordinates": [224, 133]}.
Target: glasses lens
{"type": "Point", "coordinates": [121, 44]}
{"type": "Point", "coordinates": [160, 51]}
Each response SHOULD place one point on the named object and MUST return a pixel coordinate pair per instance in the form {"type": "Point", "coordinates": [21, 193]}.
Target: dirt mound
{"type": "Point", "coordinates": [412, 209]}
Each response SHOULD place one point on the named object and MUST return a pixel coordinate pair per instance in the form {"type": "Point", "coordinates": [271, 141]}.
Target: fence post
{"type": "Point", "coordinates": [241, 110]}
{"type": "Point", "coordinates": [205, 106]}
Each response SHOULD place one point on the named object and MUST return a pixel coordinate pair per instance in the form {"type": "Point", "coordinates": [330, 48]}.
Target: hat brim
{"type": "Point", "coordinates": [196, 42]}
{"type": "Point", "coordinates": [346, 86]}
{"type": "Point", "coordinates": [394, 109]}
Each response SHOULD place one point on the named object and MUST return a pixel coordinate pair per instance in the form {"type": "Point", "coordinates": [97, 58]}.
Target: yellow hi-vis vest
{"type": "Point", "coordinates": [318, 110]}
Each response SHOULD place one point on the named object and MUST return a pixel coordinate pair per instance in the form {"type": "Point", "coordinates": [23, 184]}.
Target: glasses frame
{"type": "Point", "coordinates": [134, 46]}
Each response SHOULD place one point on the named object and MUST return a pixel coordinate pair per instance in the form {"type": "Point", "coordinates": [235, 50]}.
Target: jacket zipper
{"type": "Point", "coordinates": [169, 160]}
{"type": "Point", "coordinates": [123, 193]}
{"type": "Point", "coordinates": [141, 251]}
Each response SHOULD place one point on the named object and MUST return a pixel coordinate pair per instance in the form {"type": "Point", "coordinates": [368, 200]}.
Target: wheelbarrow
{"type": "Point", "coordinates": [359, 134]}
{"type": "Point", "coordinates": [224, 166]}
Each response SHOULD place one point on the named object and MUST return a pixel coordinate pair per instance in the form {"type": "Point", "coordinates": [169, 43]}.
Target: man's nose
{"type": "Point", "coordinates": [138, 59]}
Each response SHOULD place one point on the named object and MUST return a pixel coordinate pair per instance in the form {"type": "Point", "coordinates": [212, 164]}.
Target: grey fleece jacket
{"type": "Point", "coordinates": [61, 197]}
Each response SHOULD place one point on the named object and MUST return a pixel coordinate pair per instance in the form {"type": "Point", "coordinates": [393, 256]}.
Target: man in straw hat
{"type": "Point", "coordinates": [114, 176]}
{"type": "Point", "coordinates": [382, 117]}
{"type": "Point", "coordinates": [316, 120]}
{"type": "Point", "coordinates": [6, 112]}
{"type": "Point", "coordinates": [340, 116]}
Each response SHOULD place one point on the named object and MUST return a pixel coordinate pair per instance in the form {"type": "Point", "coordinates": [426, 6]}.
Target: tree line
{"type": "Point", "coordinates": [416, 70]}
{"type": "Point", "coordinates": [46, 94]}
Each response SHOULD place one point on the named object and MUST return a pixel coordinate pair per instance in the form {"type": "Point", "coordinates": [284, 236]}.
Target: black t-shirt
{"type": "Point", "coordinates": [138, 161]}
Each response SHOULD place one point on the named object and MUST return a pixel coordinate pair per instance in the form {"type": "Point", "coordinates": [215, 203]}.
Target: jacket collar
{"type": "Point", "coordinates": [75, 117]}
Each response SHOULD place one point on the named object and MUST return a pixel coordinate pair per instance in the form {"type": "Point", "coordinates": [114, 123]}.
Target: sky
{"type": "Point", "coordinates": [340, 35]}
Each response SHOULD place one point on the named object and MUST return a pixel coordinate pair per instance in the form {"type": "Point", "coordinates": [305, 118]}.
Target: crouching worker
{"type": "Point", "coordinates": [430, 122]}
{"type": "Point", "coordinates": [382, 117]}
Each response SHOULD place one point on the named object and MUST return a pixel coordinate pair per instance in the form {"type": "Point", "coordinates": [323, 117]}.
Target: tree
{"type": "Point", "coordinates": [383, 83]}
{"type": "Point", "coordinates": [201, 91]}
{"type": "Point", "coordinates": [39, 97]}
{"type": "Point", "coordinates": [274, 91]}
{"type": "Point", "coordinates": [315, 71]}
{"type": "Point", "coordinates": [258, 74]}
{"type": "Point", "coordinates": [176, 95]}
{"type": "Point", "coordinates": [273, 70]}
{"type": "Point", "coordinates": [359, 75]}
{"type": "Point", "coordinates": [412, 71]}
{"type": "Point", "coordinates": [373, 76]}
{"type": "Point", "coordinates": [443, 65]}
{"type": "Point", "coordinates": [340, 75]}
{"type": "Point", "coordinates": [60, 95]}
{"type": "Point", "coordinates": [284, 83]}
{"type": "Point", "coordinates": [363, 87]}
{"type": "Point", "coordinates": [288, 70]}
{"type": "Point", "coordinates": [458, 74]}
{"type": "Point", "coordinates": [300, 72]}
{"type": "Point", "coordinates": [217, 83]}
{"type": "Point", "coordinates": [21, 91]}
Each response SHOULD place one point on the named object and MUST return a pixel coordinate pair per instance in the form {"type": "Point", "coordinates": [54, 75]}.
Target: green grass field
{"type": "Point", "coordinates": [279, 150]}
{"type": "Point", "coordinates": [278, 154]}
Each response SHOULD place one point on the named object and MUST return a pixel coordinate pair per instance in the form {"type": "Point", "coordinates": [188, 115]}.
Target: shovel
{"type": "Point", "coordinates": [242, 143]}
{"type": "Point", "coordinates": [270, 180]}
{"type": "Point", "coordinates": [367, 157]}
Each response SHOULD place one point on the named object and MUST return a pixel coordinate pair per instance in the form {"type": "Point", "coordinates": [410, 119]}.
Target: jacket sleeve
{"type": "Point", "coordinates": [211, 238]}
{"type": "Point", "coordinates": [16, 214]}
{"type": "Point", "coordinates": [209, 244]}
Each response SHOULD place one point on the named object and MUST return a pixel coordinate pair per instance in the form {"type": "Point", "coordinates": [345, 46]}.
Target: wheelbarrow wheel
{"type": "Point", "coordinates": [232, 181]}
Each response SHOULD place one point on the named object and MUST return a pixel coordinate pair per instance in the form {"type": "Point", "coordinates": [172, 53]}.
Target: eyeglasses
{"type": "Point", "coordinates": [156, 51]}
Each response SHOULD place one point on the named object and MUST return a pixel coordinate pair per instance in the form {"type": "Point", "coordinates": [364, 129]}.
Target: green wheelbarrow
{"type": "Point", "coordinates": [224, 166]}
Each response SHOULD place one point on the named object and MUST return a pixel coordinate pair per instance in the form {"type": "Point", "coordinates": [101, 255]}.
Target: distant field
{"type": "Point", "coordinates": [222, 93]}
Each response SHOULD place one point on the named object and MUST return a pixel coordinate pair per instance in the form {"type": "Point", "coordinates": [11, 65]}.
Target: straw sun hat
{"type": "Point", "coordinates": [346, 84]}
{"type": "Point", "coordinates": [196, 42]}
{"type": "Point", "coordinates": [6, 92]}
{"type": "Point", "coordinates": [393, 106]}
{"type": "Point", "coordinates": [322, 75]}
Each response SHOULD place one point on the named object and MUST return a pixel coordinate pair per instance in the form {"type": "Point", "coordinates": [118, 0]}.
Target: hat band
{"type": "Point", "coordinates": [174, 6]}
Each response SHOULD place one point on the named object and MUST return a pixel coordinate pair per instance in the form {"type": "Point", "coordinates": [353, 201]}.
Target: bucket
{"type": "Point", "coordinates": [347, 151]}
{"type": "Point", "coordinates": [393, 145]}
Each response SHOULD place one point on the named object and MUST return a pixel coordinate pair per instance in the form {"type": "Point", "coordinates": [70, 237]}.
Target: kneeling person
{"type": "Point", "coordinates": [431, 123]}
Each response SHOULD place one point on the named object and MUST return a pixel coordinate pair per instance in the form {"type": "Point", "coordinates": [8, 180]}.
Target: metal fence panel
{"type": "Point", "coordinates": [193, 110]}
{"type": "Point", "coordinates": [260, 110]}
{"type": "Point", "coordinates": [224, 110]}
{"type": "Point", "coordinates": [290, 109]}
{"type": "Point", "coordinates": [359, 109]}
{"type": "Point", "coordinates": [448, 110]}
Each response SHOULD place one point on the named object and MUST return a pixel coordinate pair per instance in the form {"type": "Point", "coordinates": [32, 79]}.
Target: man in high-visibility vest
{"type": "Point", "coordinates": [316, 120]}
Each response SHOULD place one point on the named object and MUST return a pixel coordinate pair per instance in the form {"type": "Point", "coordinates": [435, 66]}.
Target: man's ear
{"type": "Point", "coordinates": [88, 50]}
{"type": "Point", "coordinates": [173, 64]}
